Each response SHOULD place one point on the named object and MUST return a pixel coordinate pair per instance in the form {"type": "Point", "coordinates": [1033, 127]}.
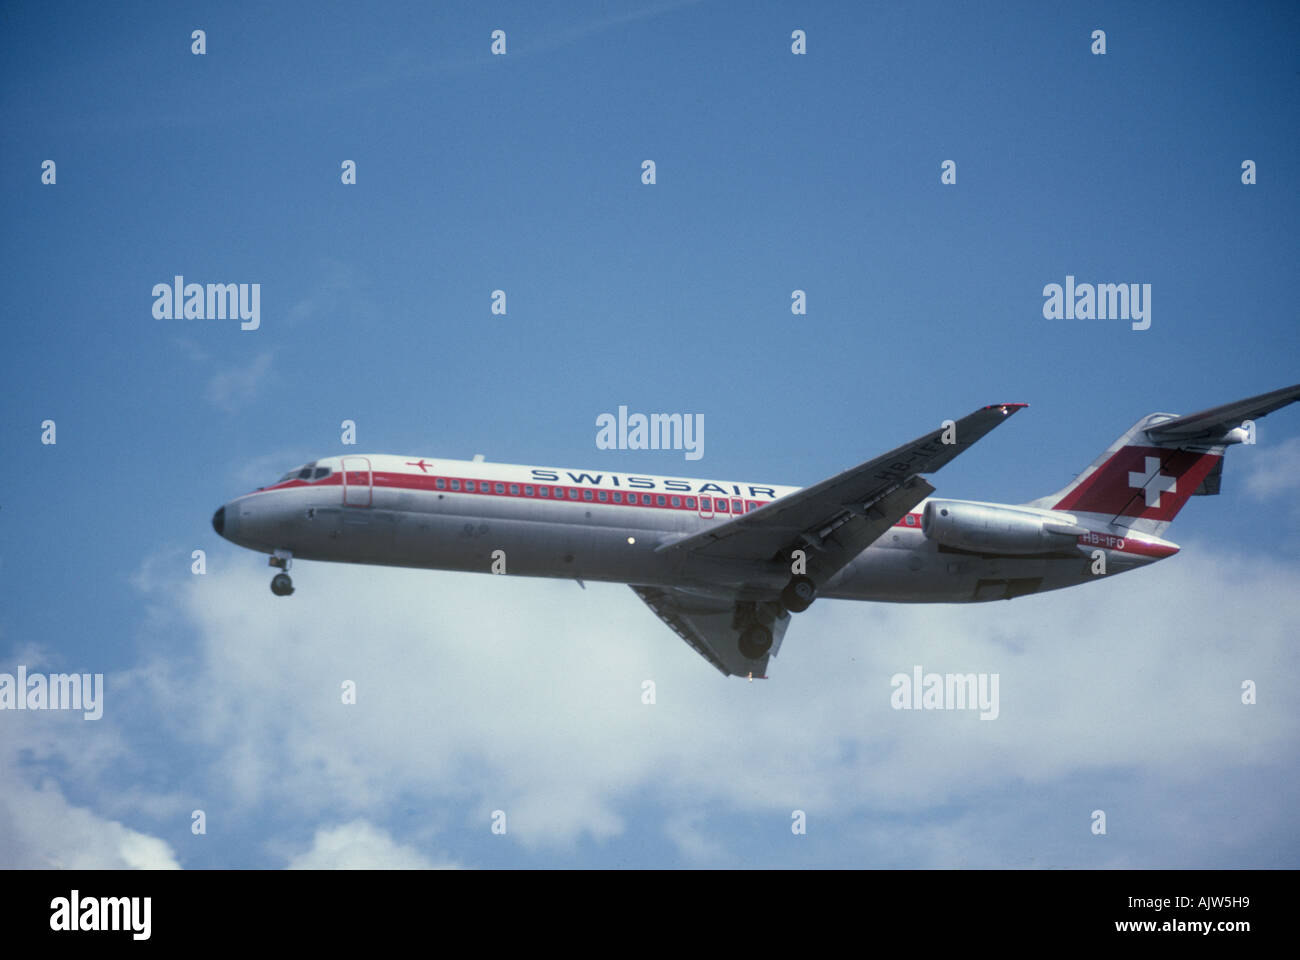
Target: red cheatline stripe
{"type": "Point", "coordinates": [556, 492]}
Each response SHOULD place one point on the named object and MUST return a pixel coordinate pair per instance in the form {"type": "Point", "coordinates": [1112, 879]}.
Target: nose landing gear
{"type": "Point", "coordinates": [281, 583]}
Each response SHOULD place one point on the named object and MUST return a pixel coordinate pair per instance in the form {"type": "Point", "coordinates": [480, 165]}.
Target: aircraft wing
{"type": "Point", "coordinates": [841, 516]}
{"type": "Point", "coordinates": [709, 624]}
{"type": "Point", "coordinates": [833, 521]}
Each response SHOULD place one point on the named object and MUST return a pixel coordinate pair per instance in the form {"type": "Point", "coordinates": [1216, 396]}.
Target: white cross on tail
{"type": "Point", "coordinates": [1153, 482]}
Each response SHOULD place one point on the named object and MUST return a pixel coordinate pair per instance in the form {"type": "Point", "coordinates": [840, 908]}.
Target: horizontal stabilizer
{"type": "Point", "coordinates": [1215, 422]}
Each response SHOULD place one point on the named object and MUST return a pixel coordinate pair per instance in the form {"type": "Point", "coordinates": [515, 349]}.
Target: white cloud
{"type": "Point", "coordinates": [360, 845]}
{"type": "Point", "coordinates": [40, 829]}
{"type": "Point", "coordinates": [690, 835]}
{"type": "Point", "coordinates": [1274, 470]}
{"type": "Point", "coordinates": [478, 693]}
{"type": "Point", "coordinates": [45, 752]}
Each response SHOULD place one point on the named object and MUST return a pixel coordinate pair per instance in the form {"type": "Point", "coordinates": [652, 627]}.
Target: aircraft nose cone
{"type": "Point", "coordinates": [219, 521]}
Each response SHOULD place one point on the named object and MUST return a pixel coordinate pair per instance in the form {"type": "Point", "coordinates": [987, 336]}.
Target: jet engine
{"type": "Point", "coordinates": [984, 527]}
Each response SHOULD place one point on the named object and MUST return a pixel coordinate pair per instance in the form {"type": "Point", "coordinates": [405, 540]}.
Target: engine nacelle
{"type": "Point", "coordinates": [985, 527]}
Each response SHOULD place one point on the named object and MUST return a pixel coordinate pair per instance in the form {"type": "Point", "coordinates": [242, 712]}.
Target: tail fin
{"type": "Point", "coordinates": [1146, 476]}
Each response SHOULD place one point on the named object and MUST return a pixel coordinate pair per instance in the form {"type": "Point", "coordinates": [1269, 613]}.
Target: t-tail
{"type": "Point", "coordinates": [1143, 479]}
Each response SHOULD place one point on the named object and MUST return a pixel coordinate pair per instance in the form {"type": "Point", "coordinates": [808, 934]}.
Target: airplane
{"type": "Point", "coordinates": [727, 564]}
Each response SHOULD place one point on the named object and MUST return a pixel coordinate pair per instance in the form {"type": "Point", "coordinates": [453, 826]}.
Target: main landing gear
{"type": "Point", "coordinates": [755, 621]}
{"type": "Point", "coordinates": [755, 641]}
{"type": "Point", "coordinates": [756, 626]}
{"type": "Point", "coordinates": [281, 583]}
{"type": "Point", "coordinates": [799, 594]}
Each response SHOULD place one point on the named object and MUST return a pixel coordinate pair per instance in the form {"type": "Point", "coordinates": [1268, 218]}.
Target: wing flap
{"type": "Point", "coordinates": [835, 548]}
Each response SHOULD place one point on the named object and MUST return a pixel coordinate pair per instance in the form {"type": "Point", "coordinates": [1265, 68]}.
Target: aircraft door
{"type": "Point", "coordinates": [358, 481]}
{"type": "Point", "coordinates": [706, 507]}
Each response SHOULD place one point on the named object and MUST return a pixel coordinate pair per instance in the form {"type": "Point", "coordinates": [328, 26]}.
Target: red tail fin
{"type": "Point", "coordinates": [1141, 483]}
{"type": "Point", "coordinates": [1145, 482]}
{"type": "Point", "coordinates": [1144, 478]}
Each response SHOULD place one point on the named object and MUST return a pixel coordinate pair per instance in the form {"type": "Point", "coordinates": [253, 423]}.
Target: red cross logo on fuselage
{"type": "Point", "coordinates": [421, 465]}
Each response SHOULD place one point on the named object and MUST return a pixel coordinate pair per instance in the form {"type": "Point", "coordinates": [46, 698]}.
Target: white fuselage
{"type": "Point", "coordinates": [603, 525]}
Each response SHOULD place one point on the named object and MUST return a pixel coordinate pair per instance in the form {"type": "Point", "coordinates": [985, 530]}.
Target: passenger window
{"type": "Point", "coordinates": [528, 490]}
{"type": "Point", "coordinates": [661, 499]}
{"type": "Point", "coordinates": [586, 494]}
{"type": "Point", "coordinates": [737, 506]}
{"type": "Point", "coordinates": [573, 493]}
{"type": "Point", "coordinates": [544, 491]}
{"type": "Point", "coordinates": [455, 484]}
{"type": "Point", "coordinates": [676, 501]}
{"type": "Point", "coordinates": [514, 489]}
{"type": "Point", "coordinates": [722, 506]}
{"type": "Point", "coordinates": [603, 496]}
{"type": "Point", "coordinates": [690, 503]}
{"type": "Point", "coordinates": [501, 488]}
{"type": "Point", "coordinates": [618, 497]}
{"type": "Point", "coordinates": [440, 483]}
{"type": "Point", "coordinates": [706, 503]}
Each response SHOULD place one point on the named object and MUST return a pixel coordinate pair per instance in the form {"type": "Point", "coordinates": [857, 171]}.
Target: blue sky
{"type": "Point", "coordinates": [521, 172]}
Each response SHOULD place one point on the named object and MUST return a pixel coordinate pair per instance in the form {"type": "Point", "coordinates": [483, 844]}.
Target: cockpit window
{"type": "Point", "coordinates": [306, 472]}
